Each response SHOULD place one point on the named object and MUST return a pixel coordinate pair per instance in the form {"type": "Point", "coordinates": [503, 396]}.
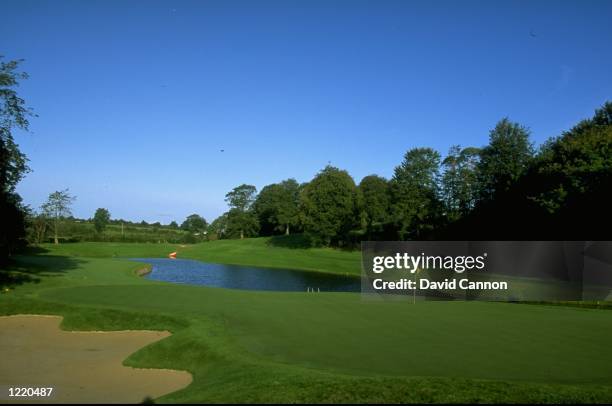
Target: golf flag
{"type": "Point", "coordinates": [172, 255]}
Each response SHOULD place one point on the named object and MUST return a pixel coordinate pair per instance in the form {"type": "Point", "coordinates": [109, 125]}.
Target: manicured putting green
{"type": "Point", "coordinates": [343, 333]}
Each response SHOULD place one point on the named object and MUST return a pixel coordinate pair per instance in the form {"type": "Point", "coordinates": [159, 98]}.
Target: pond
{"type": "Point", "coordinates": [246, 277]}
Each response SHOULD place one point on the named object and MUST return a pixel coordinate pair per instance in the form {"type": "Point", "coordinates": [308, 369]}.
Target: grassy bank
{"type": "Point", "coordinates": [269, 252]}
{"type": "Point", "coordinates": [244, 346]}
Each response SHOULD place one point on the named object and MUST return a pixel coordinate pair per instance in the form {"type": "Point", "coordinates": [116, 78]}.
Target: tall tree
{"type": "Point", "coordinates": [288, 209]}
{"type": "Point", "coordinates": [276, 206]}
{"type": "Point", "coordinates": [414, 191]}
{"type": "Point", "coordinates": [376, 199]}
{"type": "Point", "coordinates": [101, 219]}
{"type": "Point", "coordinates": [572, 175]}
{"type": "Point", "coordinates": [505, 159]}
{"type": "Point", "coordinates": [241, 197]}
{"type": "Point", "coordinates": [460, 180]}
{"type": "Point", "coordinates": [13, 115]}
{"type": "Point", "coordinates": [13, 163]}
{"type": "Point", "coordinates": [57, 208]}
{"type": "Point", "coordinates": [330, 206]}
{"type": "Point", "coordinates": [240, 217]}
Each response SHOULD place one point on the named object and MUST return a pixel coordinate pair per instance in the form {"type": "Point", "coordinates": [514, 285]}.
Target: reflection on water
{"type": "Point", "coordinates": [246, 277]}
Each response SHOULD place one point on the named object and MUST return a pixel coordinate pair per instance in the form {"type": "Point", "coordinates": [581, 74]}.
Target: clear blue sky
{"type": "Point", "coordinates": [137, 98]}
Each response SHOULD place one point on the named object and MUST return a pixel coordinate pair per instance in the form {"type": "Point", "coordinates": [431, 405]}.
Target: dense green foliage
{"type": "Point", "coordinates": [101, 219]}
{"type": "Point", "coordinates": [245, 346]}
{"type": "Point", "coordinates": [504, 160]}
{"type": "Point", "coordinates": [79, 230]}
{"type": "Point", "coordinates": [375, 197]}
{"type": "Point", "coordinates": [504, 190]}
{"type": "Point", "coordinates": [330, 206]}
{"type": "Point", "coordinates": [194, 223]}
{"type": "Point", "coordinates": [277, 208]}
{"type": "Point", "coordinates": [572, 169]}
{"type": "Point", "coordinates": [241, 219]}
{"type": "Point", "coordinates": [415, 193]}
{"type": "Point", "coordinates": [459, 184]}
{"type": "Point", "coordinates": [560, 193]}
{"type": "Point", "coordinates": [13, 163]}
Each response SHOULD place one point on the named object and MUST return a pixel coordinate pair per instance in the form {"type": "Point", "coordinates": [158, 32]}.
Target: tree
{"type": "Point", "coordinates": [240, 199]}
{"type": "Point", "coordinates": [57, 208]}
{"type": "Point", "coordinates": [287, 215]}
{"type": "Point", "coordinates": [329, 205]}
{"type": "Point", "coordinates": [460, 180]}
{"type": "Point", "coordinates": [13, 163]}
{"type": "Point", "coordinates": [219, 226]}
{"type": "Point", "coordinates": [376, 199]}
{"type": "Point", "coordinates": [414, 193]}
{"type": "Point", "coordinates": [560, 193]}
{"type": "Point", "coordinates": [194, 223]}
{"type": "Point", "coordinates": [505, 159]}
{"type": "Point", "coordinates": [13, 114]}
{"type": "Point", "coordinates": [572, 175]}
{"type": "Point", "coordinates": [38, 227]}
{"type": "Point", "coordinates": [276, 206]}
{"type": "Point", "coordinates": [173, 224]}
{"type": "Point", "coordinates": [241, 223]}
{"type": "Point", "coordinates": [12, 225]}
{"type": "Point", "coordinates": [101, 219]}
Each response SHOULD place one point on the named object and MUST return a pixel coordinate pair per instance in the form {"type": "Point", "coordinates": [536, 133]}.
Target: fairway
{"type": "Point", "coordinates": [322, 347]}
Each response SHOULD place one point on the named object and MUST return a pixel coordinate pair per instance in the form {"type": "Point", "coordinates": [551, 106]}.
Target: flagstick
{"type": "Point", "coordinates": [414, 290]}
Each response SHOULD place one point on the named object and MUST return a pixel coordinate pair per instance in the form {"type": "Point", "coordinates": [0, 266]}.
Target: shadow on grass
{"type": "Point", "coordinates": [29, 269]}
{"type": "Point", "coordinates": [33, 250]}
{"type": "Point", "coordinates": [291, 241]}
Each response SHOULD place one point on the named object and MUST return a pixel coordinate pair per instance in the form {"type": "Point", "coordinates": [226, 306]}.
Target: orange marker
{"type": "Point", "coordinates": [172, 255]}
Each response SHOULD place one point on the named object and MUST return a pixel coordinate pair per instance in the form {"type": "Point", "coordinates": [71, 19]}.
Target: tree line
{"type": "Point", "coordinates": [55, 222]}
{"type": "Point", "coordinates": [507, 189]}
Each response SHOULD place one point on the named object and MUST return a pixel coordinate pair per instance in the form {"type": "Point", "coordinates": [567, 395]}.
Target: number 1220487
{"type": "Point", "coordinates": [29, 392]}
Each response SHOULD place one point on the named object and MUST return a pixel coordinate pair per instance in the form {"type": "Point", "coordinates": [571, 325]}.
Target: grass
{"type": "Point", "coordinates": [246, 346]}
{"type": "Point", "coordinates": [253, 251]}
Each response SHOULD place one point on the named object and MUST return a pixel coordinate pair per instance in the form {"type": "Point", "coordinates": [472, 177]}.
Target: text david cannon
{"type": "Point", "coordinates": [426, 284]}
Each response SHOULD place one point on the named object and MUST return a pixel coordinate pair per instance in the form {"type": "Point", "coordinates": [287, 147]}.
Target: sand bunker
{"type": "Point", "coordinates": [82, 366]}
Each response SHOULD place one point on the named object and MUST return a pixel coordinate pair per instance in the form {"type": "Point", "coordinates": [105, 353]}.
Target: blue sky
{"type": "Point", "coordinates": [137, 98]}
